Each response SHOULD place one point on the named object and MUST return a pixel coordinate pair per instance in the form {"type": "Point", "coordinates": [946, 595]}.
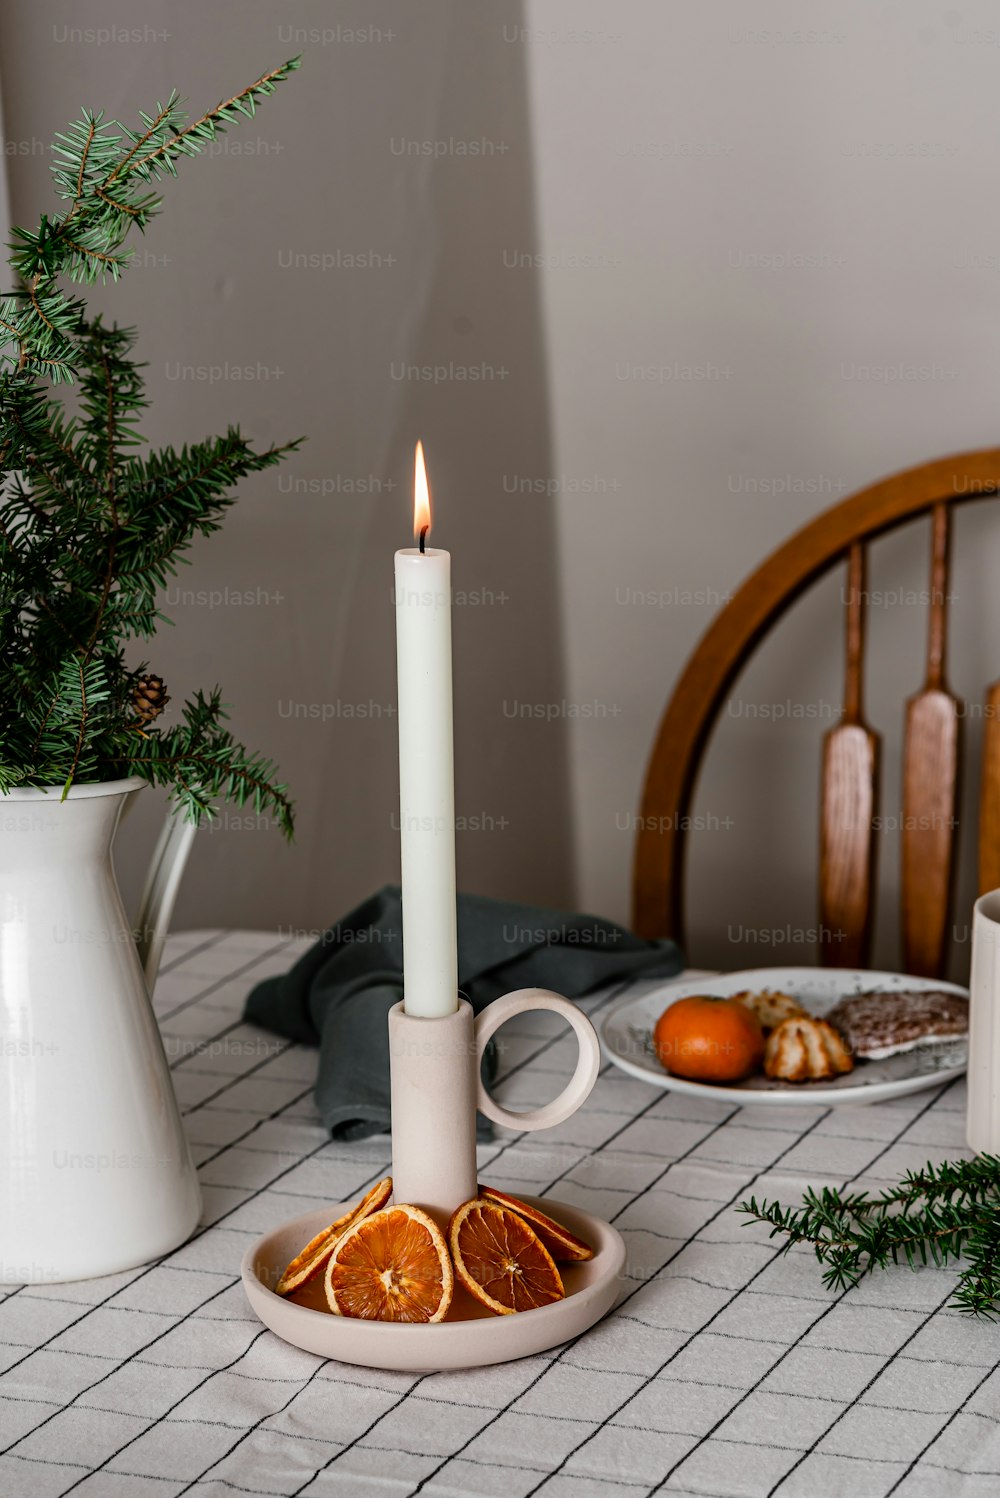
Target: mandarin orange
{"type": "Point", "coordinates": [709, 1039]}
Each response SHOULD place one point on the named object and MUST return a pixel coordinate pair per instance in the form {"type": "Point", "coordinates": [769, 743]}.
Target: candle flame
{"type": "Point", "coordinates": [421, 494]}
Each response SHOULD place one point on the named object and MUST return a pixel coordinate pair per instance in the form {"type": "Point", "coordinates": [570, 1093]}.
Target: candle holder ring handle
{"type": "Point", "coordinates": [578, 1088]}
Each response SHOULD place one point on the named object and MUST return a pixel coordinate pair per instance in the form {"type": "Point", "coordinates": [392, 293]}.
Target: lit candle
{"type": "Point", "coordinates": [426, 767]}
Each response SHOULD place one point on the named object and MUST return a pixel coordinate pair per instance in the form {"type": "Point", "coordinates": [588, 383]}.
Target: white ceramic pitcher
{"type": "Point", "coordinates": [95, 1171]}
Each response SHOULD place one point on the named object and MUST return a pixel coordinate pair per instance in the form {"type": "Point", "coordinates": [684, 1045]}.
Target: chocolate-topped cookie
{"type": "Point", "coordinates": [880, 1024]}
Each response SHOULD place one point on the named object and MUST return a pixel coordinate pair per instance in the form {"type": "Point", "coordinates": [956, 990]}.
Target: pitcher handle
{"type": "Point", "coordinates": [588, 1062]}
{"type": "Point", "coordinates": [159, 897]}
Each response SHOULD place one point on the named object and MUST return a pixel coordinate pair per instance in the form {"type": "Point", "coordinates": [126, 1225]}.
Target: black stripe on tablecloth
{"type": "Point", "coordinates": [506, 1145]}
{"type": "Point", "coordinates": [676, 1352]}
{"type": "Point", "coordinates": [168, 965]}
{"type": "Point", "coordinates": [834, 1302]}
{"type": "Point", "coordinates": [322, 1363]}
{"type": "Point", "coordinates": [149, 1268]}
{"type": "Point", "coordinates": [244, 970]}
{"type": "Point", "coordinates": [988, 1374]}
{"type": "Point", "coordinates": [562, 1352]}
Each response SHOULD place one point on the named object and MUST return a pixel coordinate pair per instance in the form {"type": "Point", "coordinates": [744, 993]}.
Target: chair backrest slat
{"type": "Point", "coordinates": [989, 793]}
{"type": "Point", "coordinates": [931, 757]}
{"type": "Point", "coordinates": [848, 800]}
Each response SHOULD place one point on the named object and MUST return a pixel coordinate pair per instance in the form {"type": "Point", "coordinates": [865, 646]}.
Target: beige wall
{"type": "Point", "coordinates": [786, 217]}
{"type": "Point", "coordinates": [319, 173]}
{"type": "Point", "coordinates": [681, 148]}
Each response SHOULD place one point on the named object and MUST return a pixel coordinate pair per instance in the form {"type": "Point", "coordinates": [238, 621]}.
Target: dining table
{"type": "Point", "coordinates": [726, 1369]}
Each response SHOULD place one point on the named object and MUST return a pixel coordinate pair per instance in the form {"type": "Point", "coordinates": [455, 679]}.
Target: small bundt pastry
{"type": "Point", "coordinates": [771, 1008]}
{"type": "Point", "coordinates": [806, 1050]}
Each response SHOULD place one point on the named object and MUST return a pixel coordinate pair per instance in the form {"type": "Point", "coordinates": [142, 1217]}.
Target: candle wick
{"type": "Point", "coordinates": [423, 538]}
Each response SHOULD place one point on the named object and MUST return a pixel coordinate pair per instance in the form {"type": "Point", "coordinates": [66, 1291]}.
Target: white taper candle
{"type": "Point", "coordinates": [426, 771]}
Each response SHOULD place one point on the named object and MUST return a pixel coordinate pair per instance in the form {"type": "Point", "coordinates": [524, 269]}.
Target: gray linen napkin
{"type": "Point", "coordinates": [338, 994]}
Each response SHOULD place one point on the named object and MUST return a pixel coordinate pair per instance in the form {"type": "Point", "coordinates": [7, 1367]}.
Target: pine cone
{"type": "Point", "coordinates": [149, 698]}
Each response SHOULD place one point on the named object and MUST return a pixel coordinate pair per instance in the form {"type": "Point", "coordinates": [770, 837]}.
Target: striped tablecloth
{"type": "Point", "coordinates": [725, 1370]}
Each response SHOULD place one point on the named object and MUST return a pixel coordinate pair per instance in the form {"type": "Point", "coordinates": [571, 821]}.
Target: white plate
{"type": "Point", "coordinates": [627, 1038]}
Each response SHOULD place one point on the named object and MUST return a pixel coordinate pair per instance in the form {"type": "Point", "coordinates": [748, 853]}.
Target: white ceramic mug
{"type": "Point", "coordinates": [436, 1074]}
{"type": "Point", "coordinates": [983, 1118]}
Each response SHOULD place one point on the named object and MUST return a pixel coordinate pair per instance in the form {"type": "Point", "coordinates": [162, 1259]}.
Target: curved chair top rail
{"type": "Point", "coordinates": [725, 648]}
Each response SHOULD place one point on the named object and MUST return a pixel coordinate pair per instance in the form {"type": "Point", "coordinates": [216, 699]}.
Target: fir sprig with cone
{"type": "Point", "coordinates": [91, 523]}
{"type": "Point", "coordinates": [938, 1215]}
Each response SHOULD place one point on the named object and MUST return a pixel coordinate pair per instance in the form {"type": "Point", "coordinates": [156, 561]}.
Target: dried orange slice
{"type": "Point", "coordinates": [391, 1266]}
{"type": "Point", "coordinates": [316, 1252]}
{"type": "Point", "coordinates": [500, 1259]}
{"type": "Point", "coordinates": [563, 1245]}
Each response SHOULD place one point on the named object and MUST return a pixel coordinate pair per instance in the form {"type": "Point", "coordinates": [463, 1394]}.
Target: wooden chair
{"type": "Point", "coordinates": [850, 759]}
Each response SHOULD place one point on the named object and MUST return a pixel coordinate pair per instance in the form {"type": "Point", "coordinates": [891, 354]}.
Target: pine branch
{"type": "Point", "coordinates": [166, 141]}
{"type": "Point", "coordinates": [104, 170]}
{"type": "Point", "coordinates": [936, 1215]}
{"type": "Point", "coordinates": [78, 746]}
{"type": "Point", "coordinates": [203, 763]}
{"type": "Point", "coordinates": [89, 528]}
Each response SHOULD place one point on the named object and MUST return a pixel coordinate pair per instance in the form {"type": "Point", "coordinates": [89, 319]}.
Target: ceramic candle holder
{"type": "Point", "coordinates": [436, 1089]}
{"type": "Point", "coordinates": [436, 1070]}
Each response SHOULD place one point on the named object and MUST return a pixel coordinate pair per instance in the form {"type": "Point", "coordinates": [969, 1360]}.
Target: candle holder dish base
{"type": "Point", "coordinates": [470, 1336]}
{"type": "Point", "coordinates": [436, 1081]}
